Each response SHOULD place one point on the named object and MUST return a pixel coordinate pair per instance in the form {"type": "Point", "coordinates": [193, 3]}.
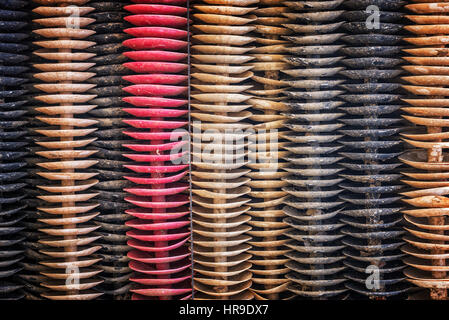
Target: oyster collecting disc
{"type": "Point", "coordinates": [221, 62]}
{"type": "Point", "coordinates": [371, 151]}
{"type": "Point", "coordinates": [427, 233]}
{"type": "Point", "coordinates": [12, 149]}
{"type": "Point", "coordinates": [155, 190]}
{"type": "Point", "coordinates": [313, 185]}
{"type": "Point", "coordinates": [66, 221]}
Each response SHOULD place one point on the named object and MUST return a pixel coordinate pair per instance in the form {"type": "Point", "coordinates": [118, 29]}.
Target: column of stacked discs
{"type": "Point", "coordinates": [220, 50]}
{"type": "Point", "coordinates": [372, 146]}
{"type": "Point", "coordinates": [30, 276]}
{"type": "Point", "coordinates": [266, 153]}
{"type": "Point", "coordinates": [12, 58]}
{"type": "Point", "coordinates": [109, 35]}
{"type": "Point", "coordinates": [159, 256]}
{"type": "Point", "coordinates": [316, 268]}
{"type": "Point", "coordinates": [427, 238]}
{"type": "Point", "coordinates": [64, 153]}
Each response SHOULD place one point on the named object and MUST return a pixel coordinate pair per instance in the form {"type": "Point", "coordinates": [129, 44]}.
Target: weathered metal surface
{"type": "Point", "coordinates": [313, 206]}
{"type": "Point", "coordinates": [220, 101]}
{"type": "Point", "coordinates": [425, 214]}
{"type": "Point", "coordinates": [13, 18]}
{"type": "Point", "coordinates": [158, 234]}
{"type": "Point", "coordinates": [66, 205]}
{"type": "Point", "coordinates": [371, 216]}
{"type": "Point", "coordinates": [266, 155]}
{"type": "Point", "coordinates": [109, 92]}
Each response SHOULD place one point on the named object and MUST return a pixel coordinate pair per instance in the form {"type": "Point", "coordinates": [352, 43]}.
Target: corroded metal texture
{"type": "Point", "coordinates": [266, 154]}
{"type": "Point", "coordinates": [427, 224]}
{"type": "Point", "coordinates": [109, 139]}
{"type": "Point", "coordinates": [220, 50]}
{"type": "Point", "coordinates": [313, 208]}
{"type": "Point", "coordinates": [63, 156]}
{"type": "Point", "coordinates": [160, 231]}
{"type": "Point", "coordinates": [372, 124]}
{"type": "Point", "coordinates": [13, 18]}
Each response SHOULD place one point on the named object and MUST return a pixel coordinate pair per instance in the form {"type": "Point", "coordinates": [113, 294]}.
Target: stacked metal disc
{"type": "Point", "coordinates": [372, 146]}
{"type": "Point", "coordinates": [220, 50]}
{"type": "Point", "coordinates": [12, 60]}
{"type": "Point", "coordinates": [427, 223]}
{"type": "Point", "coordinates": [266, 154]}
{"type": "Point", "coordinates": [313, 207]}
{"type": "Point", "coordinates": [159, 257]}
{"type": "Point", "coordinates": [109, 35]}
{"type": "Point", "coordinates": [64, 151]}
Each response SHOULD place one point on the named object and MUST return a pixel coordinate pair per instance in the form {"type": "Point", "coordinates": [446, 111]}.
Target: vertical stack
{"type": "Point", "coordinates": [160, 257]}
{"type": "Point", "coordinates": [64, 154]}
{"type": "Point", "coordinates": [12, 58]}
{"type": "Point", "coordinates": [266, 155]}
{"type": "Point", "coordinates": [427, 239]}
{"type": "Point", "coordinates": [220, 51]}
{"type": "Point", "coordinates": [313, 208]}
{"type": "Point", "coordinates": [108, 68]}
{"type": "Point", "coordinates": [372, 146]}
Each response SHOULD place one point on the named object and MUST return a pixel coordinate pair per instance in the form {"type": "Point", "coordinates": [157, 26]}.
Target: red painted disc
{"type": "Point", "coordinates": [163, 180]}
{"type": "Point", "coordinates": [146, 257]}
{"type": "Point", "coordinates": [154, 43]}
{"type": "Point", "coordinates": [149, 225]}
{"type": "Point", "coordinates": [149, 236]}
{"type": "Point", "coordinates": [170, 202]}
{"type": "Point", "coordinates": [157, 113]}
{"type": "Point", "coordinates": [155, 102]}
{"type": "Point", "coordinates": [155, 67]}
{"type": "Point", "coordinates": [173, 2]}
{"type": "Point", "coordinates": [148, 192]}
{"type": "Point", "coordinates": [163, 135]}
{"type": "Point", "coordinates": [155, 147]}
{"type": "Point", "coordinates": [143, 20]}
{"type": "Point", "coordinates": [154, 124]}
{"type": "Point", "coordinates": [151, 281]}
{"type": "Point", "coordinates": [160, 292]}
{"type": "Point", "coordinates": [148, 215]}
{"type": "Point", "coordinates": [156, 78]}
{"type": "Point", "coordinates": [186, 297]}
{"type": "Point", "coordinates": [156, 55]}
{"type": "Point", "coordinates": [155, 90]}
{"type": "Point", "coordinates": [156, 169]}
{"type": "Point", "coordinates": [157, 32]}
{"type": "Point", "coordinates": [147, 247]}
{"type": "Point", "coordinates": [155, 157]}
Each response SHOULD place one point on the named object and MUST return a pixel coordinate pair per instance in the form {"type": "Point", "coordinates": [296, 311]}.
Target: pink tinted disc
{"type": "Point", "coordinates": [149, 225]}
{"type": "Point", "coordinates": [149, 247]}
{"type": "Point", "coordinates": [155, 90]}
{"type": "Point", "coordinates": [157, 32]}
{"type": "Point", "coordinates": [154, 43]}
{"type": "Point", "coordinates": [157, 292]}
{"type": "Point", "coordinates": [143, 20]}
{"type": "Point", "coordinates": [149, 236]}
{"type": "Point", "coordinates": [163, 180]}
{"type": "Point", "coordinates": [154, 124]}
{"type": "Point", "coordinates": [148, 215]}
{"type": "Point", "coordinates": [148, 192]}
{"type": "Point", "coordinates": [155, 102]}
{"type": "Point", "coordinates": [156, 169]}
{"type": "Point", "coordinates": [156, 78]}
{"type": "Point", "coordinates": [155, 55]}
{"type": "Point", "coordinates": [149, 257]}
{"type": "Point", "coordinates": [155, 147]}
{"type": "Point", "coordinates": [174, 135]}
{"type": "Point", "coordinates": [155, 67]}
{"type": "Point", "coordinates": [158, 113]}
